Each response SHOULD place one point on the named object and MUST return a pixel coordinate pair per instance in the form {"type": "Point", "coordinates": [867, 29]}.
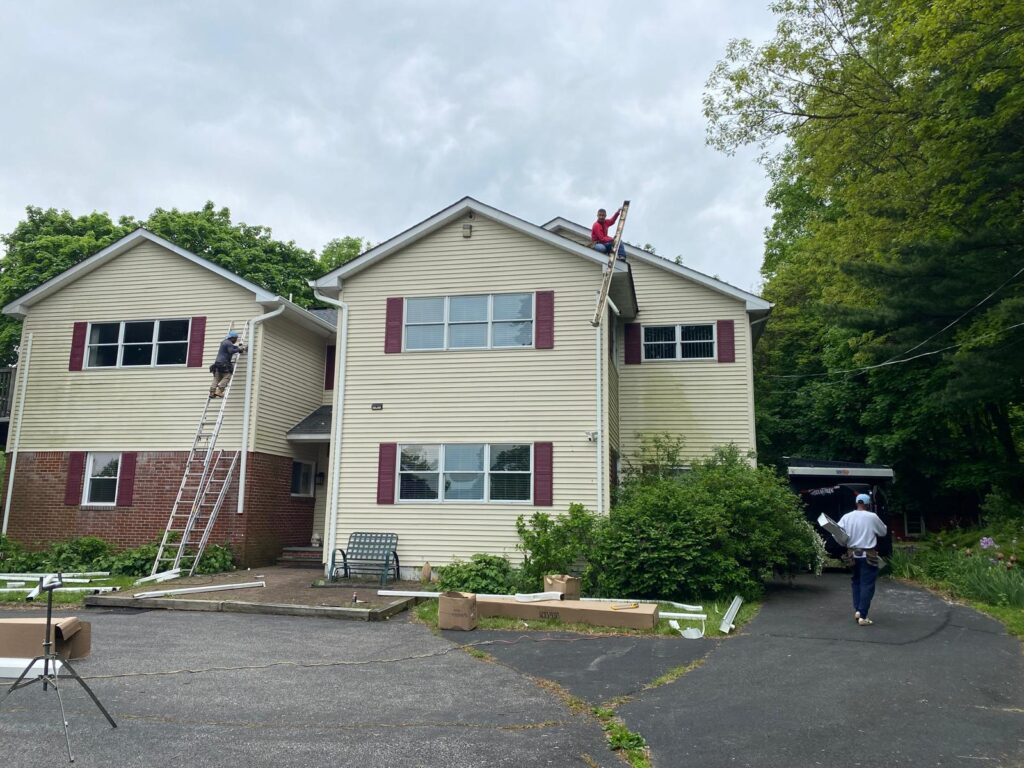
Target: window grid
{"type": "Point", "coordinates": [441, 471]}
{"type": "Point", "coordinates": [155, 342]}
{"type": "Point", "coordinates": [697, 340]}
{"type": "Point", "coordinates": [101, 474]}
{"type": "Point", "coordinates": [447, 323]}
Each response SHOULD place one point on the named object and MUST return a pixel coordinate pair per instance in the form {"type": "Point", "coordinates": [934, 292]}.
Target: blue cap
{"type": "Point", "coordinates": [232, 334]}
{"type": "Point", "coordinates": [863, 498]}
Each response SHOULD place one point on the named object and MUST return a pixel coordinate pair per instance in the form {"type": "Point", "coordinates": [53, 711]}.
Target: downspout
{"type": "Point", "coordinates": [598, 414]}
{"type": "Point", "coordinates": [20, 392]}
{"type": "Point", "coordinates": [331, 534]}
{"type": "Point", "coordinates": [247, 409]}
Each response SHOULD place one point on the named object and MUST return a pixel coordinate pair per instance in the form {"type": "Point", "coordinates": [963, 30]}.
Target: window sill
{"type": "Point", "coordinates": [99, 507]}
{"type": "Point", "coordinates": [302, 495]}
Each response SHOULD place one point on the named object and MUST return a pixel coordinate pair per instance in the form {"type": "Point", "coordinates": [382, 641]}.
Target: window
{"type": "Point", "coordinates": [679, 342]}
{"type": "Point", "coordinates": [302, 478]}
{"type": "Point", "coordinates": [101, 473]}
{"type": "Point", "coordinates": [486, 321]}
{"type": "Point", "coordinates": [501, 472]}
{"type": "Point", "coordinates": [137, 343]}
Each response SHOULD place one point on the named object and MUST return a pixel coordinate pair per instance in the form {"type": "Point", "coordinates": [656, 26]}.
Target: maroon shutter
{"type": "Point", "coordinates": [76, 468]}
{"type": "Point", "coordinates": [726, 341]}
{"type": "Point", "coordinates": [545, 320]}
{"type": "Point", "coordinates": [329, 368]}
{"type": "Point", "coordinates": [386, 457]}
{"type": "Point", "coordinates": [126, 480]}
{"type": "Point", "coordinates": [77, 347]}
{"type": "Point", "coordinates": [633, 354]}
{"type": "Point", "coordinates": [542, 477]}
{"type": "Point", "coordinates": [393, 325]}
{"type": "Point", "coordinates": [196, 340]}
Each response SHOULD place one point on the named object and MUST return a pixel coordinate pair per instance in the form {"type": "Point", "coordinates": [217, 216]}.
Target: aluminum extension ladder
{"type": "Point", "coordinates": [609, 270]}
{"type": "Point", "coordinates": [204, 486]}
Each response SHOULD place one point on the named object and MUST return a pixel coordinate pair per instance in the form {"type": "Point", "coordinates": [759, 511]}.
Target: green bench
{"type": "Point", "coordinates": [366, 553]}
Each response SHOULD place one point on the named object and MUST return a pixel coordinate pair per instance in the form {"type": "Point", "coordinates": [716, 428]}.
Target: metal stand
{"type": "Point", "coordinates": [53, 664]}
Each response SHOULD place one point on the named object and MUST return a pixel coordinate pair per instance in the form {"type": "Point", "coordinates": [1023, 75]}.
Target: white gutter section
{"type": "Point", "coordinates": [599, 414]}
{"type": "Point", "coordinates": [17, 433]}
{"type": "Point", "coordinates": [331, 534]}
{"type": "Point", "coordinates": [247, 410]}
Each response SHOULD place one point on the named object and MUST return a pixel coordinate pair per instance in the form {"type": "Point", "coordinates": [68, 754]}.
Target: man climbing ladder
{"type": "Point", "coordinates": [223, 367]}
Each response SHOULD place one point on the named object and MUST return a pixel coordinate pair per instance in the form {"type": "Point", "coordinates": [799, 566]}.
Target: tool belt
{"type": "Point", "coordinates": [857, 553]}
{"type": "Point", "coordinates": [222, 368]}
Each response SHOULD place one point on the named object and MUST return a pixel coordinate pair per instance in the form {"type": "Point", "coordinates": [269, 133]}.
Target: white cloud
{"type": "Point", "coordinates": [321, 119]}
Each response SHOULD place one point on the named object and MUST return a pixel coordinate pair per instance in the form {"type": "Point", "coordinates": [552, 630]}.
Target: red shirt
{"type": "Point", "coordinates": [599, 232]}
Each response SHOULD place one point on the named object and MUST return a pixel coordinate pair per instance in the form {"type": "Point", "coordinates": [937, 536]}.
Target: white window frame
{"type": "Point", "coordinates": [487, 472]}
{"type": "Point", "coordinates": [87, 480]}
{"type": "Point", "coordinates": [679, 343]}
{"type": "Point", "coordinates": [312, 479]}
{"type": "Point", "coordinates": [447, 323]}
{"type": "Point", "coordinates": [120, 344]}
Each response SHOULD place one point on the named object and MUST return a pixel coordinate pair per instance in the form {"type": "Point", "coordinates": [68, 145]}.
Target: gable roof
{"type": "Point", "coordinates": [20, 306]}
{"type": "Point", "coordinates": [753, 302]}
{"type": "Point", "coordinates": [451, 213]}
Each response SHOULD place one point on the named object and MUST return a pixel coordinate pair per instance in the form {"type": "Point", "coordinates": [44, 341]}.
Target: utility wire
{"type": "Point", "coordinates": [891, 361]}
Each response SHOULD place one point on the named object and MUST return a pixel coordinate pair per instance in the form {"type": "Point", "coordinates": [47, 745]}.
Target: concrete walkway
{"type": "Point", "coordinates": [930, 684]}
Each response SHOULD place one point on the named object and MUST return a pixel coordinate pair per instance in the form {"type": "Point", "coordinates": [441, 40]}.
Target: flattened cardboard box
{"type": "Point", "coordinates": [568, 586]}
{"type": "Point", "coordinates": [644, 616]}
{"type": "Point", "coordinates": [457, 610]}
{"type": "Point", "coordinates": [23, 638]}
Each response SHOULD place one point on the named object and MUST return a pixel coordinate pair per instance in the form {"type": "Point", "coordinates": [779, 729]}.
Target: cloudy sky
{"type": "Point", "coordinates": [322, 119]}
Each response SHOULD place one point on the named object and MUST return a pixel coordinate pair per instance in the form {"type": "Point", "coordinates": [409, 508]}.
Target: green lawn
{"type": "Point", "coordinates": [63, 598]}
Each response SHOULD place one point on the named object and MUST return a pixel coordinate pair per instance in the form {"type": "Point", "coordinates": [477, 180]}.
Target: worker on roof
{"type": "Point", "coordinates": [600, 240]}
{"type": "Point", "coordinates": [223, 367]}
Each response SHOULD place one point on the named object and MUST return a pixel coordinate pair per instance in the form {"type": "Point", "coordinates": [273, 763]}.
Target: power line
{"type": "Point", "coordinates": [891, 361]}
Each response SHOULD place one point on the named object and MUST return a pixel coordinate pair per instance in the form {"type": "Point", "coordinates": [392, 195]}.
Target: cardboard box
{"type": "Point", "coordinates": [457, 610]}
{"type": "Point", "coordinates": [567, 586]}
{"type": "Point", "coordinates": [643, 616]}
{"type": "Point", "coordinates": [23, 638]}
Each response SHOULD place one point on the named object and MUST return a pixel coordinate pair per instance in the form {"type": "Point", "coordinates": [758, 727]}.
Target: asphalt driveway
{"type": "Point", "coordinates": [930, 684]}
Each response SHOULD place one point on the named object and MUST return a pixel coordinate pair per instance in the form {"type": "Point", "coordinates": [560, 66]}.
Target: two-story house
{"type": "Point", "coordinates": [473, 388]}
{"type": "Point", "coordinates": [456, 384]}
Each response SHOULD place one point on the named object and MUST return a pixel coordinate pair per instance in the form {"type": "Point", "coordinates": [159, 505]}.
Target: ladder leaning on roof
{"type": "Point", "coordinates": [609, 270]}
{"type": "Point", "coordinates": [204, 486]}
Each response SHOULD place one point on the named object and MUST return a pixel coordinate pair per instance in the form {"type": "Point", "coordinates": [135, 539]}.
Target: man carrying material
{"type": "Point", "coordinates": [600, 240]}
{"type": "Point", "coordinates": [863, 527]}
{"type": "Point", "coordinates": [222, 367]}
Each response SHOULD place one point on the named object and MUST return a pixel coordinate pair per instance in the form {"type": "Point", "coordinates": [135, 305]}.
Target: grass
{"type": "Point", "coordinates": [62, 598]}
{"type": "Point", "coordinates": [426, 613]}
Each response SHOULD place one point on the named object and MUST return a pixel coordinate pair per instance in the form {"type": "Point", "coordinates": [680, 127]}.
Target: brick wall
{"type": "Point", "coordinates": [272, 519]}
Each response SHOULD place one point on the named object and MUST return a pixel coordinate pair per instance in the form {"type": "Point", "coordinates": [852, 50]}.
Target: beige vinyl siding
{"type": "Point", "coordinates": [707, 403]}
{"type": "Point", "coordinates": [613, 386]}
{"type": "Point", "coordinates": [467, 396]}
{"type": "Point", "coordinates": [129, 408]}
{"type": "Point", "coordinates": [290, 382]}
{"type": "Point", "coordinates": [320, 503]}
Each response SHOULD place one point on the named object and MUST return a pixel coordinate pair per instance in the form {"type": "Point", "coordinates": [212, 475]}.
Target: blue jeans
{"type": "Point", "coordinates": [606, 247]}
{"type": "Point", "coordinates": [863, 581]}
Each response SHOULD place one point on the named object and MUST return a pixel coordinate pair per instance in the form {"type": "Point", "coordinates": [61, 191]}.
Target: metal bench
{"type": "Point", "coordinates": [367, 552]}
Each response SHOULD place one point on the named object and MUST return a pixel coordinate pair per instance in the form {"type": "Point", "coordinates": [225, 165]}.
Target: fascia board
{"type": "Point", "coordinates": [331, 280]}
{"type": "Point", "coordinates": [752, 301]}
{"type": "Point", "coordinates": [301, 316]}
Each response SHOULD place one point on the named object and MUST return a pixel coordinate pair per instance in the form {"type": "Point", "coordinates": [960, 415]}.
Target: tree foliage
{"type": "Point", "coordinates": [48, 242]}
{"type": "Point", "coordinates": [894, 134]}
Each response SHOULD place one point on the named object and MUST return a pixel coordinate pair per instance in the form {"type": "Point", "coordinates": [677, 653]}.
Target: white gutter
{"type": "Point", "coordinates": [599, 414]}
{"type": "Point", "coordinates": [331, 532]}
{"type": "Point", "coordinates": [247, 410]}
{"type": "Point", "coordinates": [20, 392]}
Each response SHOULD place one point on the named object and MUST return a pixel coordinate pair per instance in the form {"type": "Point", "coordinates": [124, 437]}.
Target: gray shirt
{"type": "Point", "coordinates": [225, 353]}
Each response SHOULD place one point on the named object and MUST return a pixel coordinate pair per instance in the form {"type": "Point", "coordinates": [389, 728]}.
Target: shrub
{"type": "Point", "coordinates": [216, 559]}
{"type": "Point", "coordinates": [560, 544]}
{"type": "Point", "coordinates": [975, 575]}
{"type": "Point", "coordinates": [721, 528]}
{"type": "Point", "coordinates": [483, 574]}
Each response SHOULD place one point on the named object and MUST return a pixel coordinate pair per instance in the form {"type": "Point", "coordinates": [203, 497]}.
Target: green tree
{"type": "Point", "coordinates": [894, 130]}
{"type": "Point", "coordinates": [341, 250]}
